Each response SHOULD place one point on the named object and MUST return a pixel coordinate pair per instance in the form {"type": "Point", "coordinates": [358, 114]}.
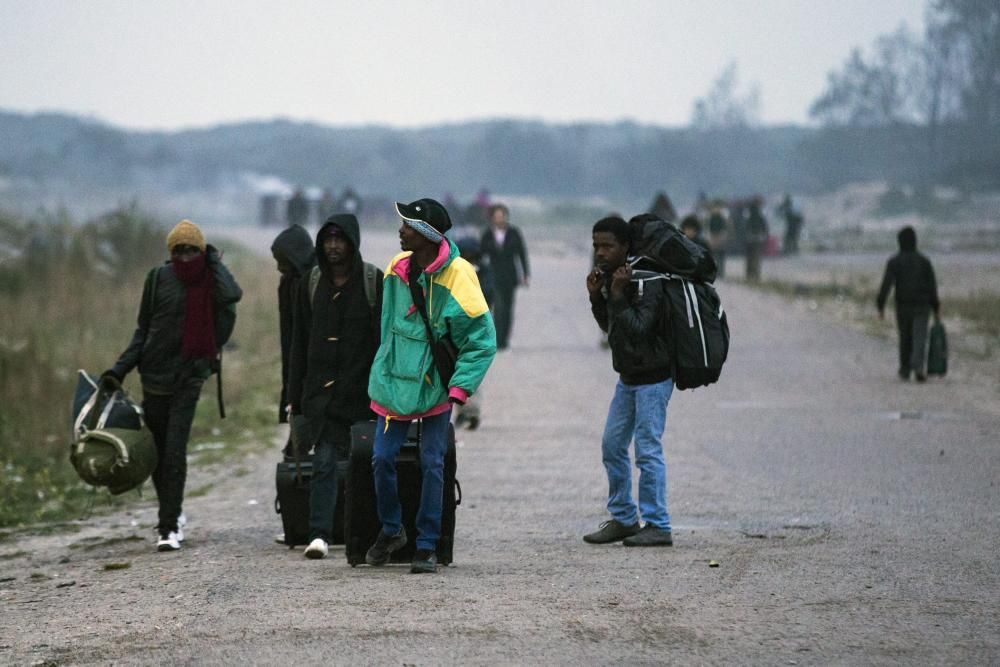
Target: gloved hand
{"type": "Point", "coordinates": [110, 381]}
{"type": "Point", "coordinates": [212, 254]}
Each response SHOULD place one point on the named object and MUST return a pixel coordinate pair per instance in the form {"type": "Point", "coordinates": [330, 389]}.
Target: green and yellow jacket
{"type": "Point", "coordinates": [403, 383]}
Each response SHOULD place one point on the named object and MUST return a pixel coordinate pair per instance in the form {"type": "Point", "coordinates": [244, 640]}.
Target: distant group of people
{"type": "Point", "coordinates": [738, 224]}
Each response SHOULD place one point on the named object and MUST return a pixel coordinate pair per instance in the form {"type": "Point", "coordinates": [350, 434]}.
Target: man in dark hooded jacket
{"type": "Point", "coordinates": [175, 349]}
{"type": "Point", "coordinates": [335, 336]}
{"type": "Point", "coordinates": [294, 251]}
{"type": "Point", "coordinates": [916, 295]}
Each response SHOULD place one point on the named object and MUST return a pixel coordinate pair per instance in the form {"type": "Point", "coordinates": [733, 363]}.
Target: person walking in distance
{"type": "Point", "coordinates": [175, 347]}
{"type": "Point", "coordinates": [635, 321]}
{"type": "Point", "coordinates": [333, 344]}
{"type": "Point", "coordinates": [912, 275]}
{"type": "Point", "coordinates": [756, 240]}
{"type": "Point", "coordinates": [427, 287]}
{"type": "Point", "coordinates": [504, 245]}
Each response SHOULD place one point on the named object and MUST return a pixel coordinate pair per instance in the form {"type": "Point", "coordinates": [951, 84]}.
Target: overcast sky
{"type": "Point", "coordinates": [169, 64]}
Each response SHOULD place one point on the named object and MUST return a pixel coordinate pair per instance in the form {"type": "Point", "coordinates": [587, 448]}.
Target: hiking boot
{"type": "Point", "coordinates": [650, 536]}
{"type": "Point", "coordinates": [611, 531]}
{"type": "Point", "coordinates": [316, 549]}
{"type": "Point", "coordinates": [424, 561]}
{"type": "Point", "coordinates": [380, 552]}
{"type": "Point", "coordinates": [168, 542]}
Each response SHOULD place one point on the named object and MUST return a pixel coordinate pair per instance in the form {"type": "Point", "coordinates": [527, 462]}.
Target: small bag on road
{"type": "Point", "coordinates": [937, 350]}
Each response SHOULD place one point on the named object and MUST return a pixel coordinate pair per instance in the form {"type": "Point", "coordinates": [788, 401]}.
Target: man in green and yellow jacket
{"type": "Point", "coordinates": [405, 383]}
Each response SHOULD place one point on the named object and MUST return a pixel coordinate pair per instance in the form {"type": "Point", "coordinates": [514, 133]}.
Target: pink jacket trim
{"type": "Point", "coordinates": [458, 394]}
{"type": "Point", "coordinates": [384, 412]}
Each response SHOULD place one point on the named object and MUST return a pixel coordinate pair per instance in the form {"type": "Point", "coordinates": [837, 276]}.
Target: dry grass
{"type": "Point", "coordinates": [69, 295]}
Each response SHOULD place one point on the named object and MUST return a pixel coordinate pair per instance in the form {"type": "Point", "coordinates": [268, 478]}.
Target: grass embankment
{"type": "Point", "coordinates": [69, 295]}
{"type": "Point", "coordinates": [976, 315]}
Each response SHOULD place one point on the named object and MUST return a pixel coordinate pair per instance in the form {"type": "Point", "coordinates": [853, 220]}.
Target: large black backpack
{"type": "Point", "coordinates": [659, 246]}
{"type": "Point", "coordinates": [698, 327]}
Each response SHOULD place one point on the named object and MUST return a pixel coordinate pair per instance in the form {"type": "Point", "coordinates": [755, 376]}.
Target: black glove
{"type": "Point", "coordinates": [212, 254]}
{"type": "Point", "coordinates": [110, 381]}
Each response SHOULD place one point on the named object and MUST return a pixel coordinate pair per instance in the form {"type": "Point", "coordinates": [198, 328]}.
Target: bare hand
{"type": "Point", "coordinates": [594, 281]}
{"type": "Point", "coordinates": [620, 280]}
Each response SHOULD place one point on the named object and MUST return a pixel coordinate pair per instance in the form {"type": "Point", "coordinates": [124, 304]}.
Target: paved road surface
{"type": "Point", "coordinates": [854, 519]}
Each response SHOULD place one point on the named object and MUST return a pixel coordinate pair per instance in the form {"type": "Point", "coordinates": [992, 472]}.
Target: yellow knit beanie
{"type": "Point", "coordinates": [185, 233]}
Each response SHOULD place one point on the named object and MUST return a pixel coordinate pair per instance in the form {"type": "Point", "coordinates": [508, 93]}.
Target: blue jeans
{"type": "Point", "coordinates": [331, 445]}
{"type": "Point", "coordinates": [640, 411]}
{"type": "Point", "coordinates": [433, 446]}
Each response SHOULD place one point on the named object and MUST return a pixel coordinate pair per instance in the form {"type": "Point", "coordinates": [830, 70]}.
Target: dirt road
{"type": "Point", "coordinates": [854, 519]}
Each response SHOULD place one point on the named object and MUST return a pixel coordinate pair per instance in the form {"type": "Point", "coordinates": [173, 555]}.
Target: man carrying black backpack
{"type": "Point", "coordinates": [638, 335]}
{"type": "Point", "coordinates": [336, 334]}
{"type": "Point", "coordinates": [176, 347]}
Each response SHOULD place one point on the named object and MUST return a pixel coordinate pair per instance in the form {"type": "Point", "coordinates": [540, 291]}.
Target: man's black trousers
{"type": "Point", "coordinates": [912, 322]}
{"type": "Point", "coordinates": [169, 417]}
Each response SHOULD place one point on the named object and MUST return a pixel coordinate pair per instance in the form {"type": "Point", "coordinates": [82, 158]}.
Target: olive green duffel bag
{"type": "Point", "coordinates": [112, 446]}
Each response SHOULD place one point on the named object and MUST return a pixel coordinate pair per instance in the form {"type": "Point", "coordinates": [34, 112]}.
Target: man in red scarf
{"type": "Point", "coordinates": [175, 348]}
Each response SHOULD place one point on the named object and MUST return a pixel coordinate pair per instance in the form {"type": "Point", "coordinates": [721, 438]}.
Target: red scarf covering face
{"type": "Point", "coordinates": [198, 341]}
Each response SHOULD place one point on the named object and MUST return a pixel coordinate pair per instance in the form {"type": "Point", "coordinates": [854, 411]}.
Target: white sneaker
{"type": "Point", "coordinates": [182, 521]}
{"type": "Point", "coordinates": [316, 549]}
{"type": "Point", "coordinates": [168, 543]}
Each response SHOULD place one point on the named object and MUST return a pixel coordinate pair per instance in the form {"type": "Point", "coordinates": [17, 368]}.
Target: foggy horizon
{"type": "Point", "coordinates": [179, 66]}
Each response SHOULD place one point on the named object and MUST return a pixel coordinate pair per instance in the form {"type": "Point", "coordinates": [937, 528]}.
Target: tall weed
{"type": "Point", "coordinates": [69, 296]}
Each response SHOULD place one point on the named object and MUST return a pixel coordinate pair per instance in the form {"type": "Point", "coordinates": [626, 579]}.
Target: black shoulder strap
{"type": "Point", "coordinates": [418, 301]}
{"type": "Point", "coordinates": [313, 283]}
{"type": "Point", "coordinates": [371, 283]}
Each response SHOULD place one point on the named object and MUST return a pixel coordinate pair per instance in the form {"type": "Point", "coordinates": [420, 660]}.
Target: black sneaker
{"type": "Point", "coordinates": [650, 536]}
{"type": "Point", "coordinates": [611, 531]}
{"type": "Point", "coordinates": [424, 561]}
{"type": "Point", "coordinates": [380, 552]}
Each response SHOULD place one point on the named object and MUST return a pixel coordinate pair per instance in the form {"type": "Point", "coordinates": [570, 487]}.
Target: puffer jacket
{"type": "Point", "coordinates": [403, 382]}
{"type": "Point", "coordinates": [156, 344]}
{"type": "Point", "coordinates": [638, 330]}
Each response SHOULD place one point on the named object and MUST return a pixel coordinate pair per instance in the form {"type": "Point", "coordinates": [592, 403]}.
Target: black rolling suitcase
{"type": "Point", "coordinates": [292, 480]}
{"type": "Point", "coordinates": [361, 524]}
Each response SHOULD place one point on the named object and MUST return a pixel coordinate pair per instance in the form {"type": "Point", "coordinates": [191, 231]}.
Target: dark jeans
{"type": "Point", "coordinates": [169, 417]}
{"type": "Point", "coordinates": [333, 445]}
{"type": "Point", "coordinates": [503, 313]}
{"type": "Point", "coordinates": [912, 322]}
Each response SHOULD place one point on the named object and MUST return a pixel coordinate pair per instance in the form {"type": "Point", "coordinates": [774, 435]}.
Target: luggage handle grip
{"type": "Point", "coordinates": [458, 490]}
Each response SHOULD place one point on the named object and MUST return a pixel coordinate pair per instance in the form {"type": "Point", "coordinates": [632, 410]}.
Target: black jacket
{"type": "Point", "coordinates": [913, 276]}
{"type": "Point", "coordinates": [508, 262]}
{"type": "Point", "coordinates": [294, 246]}
{"type": "Point", "coordinates": [156, 344]}
{"type": "Point", "coordinates": [336, 335]}
{"type": "Point", "coordinates": [638, 330]}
